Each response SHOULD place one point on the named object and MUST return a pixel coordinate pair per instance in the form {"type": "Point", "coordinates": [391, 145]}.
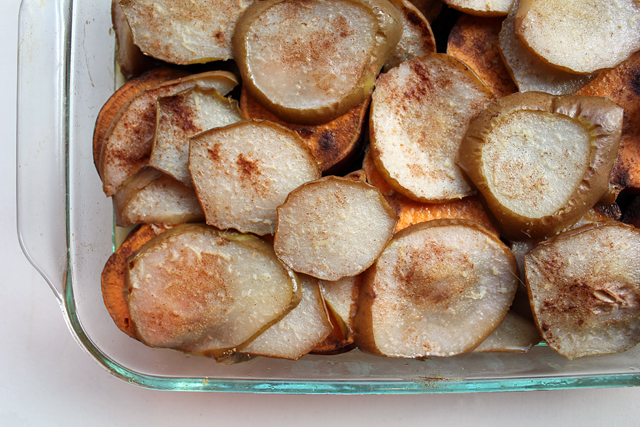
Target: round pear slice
{"type": "Point", "coordinates": [182, 116]}
{"type": "Point", "coordinates": [580, 36]}
{"type": "Point", "coordinates": [440, 288]}
{"type": "Point", "coordinates": [184, 31]}
{"type": "Point", "coordinates": [310, 62]}
{"type": "Point", "coordinates": [419, 113]}
{"type": "Point", "coordinates": [530, 72]}
{"type": "Point", "coordinates": [333, 227]}
{"type": "Point", "coordinates": [481, 7]}
{"type": "Point", "coordinates": [584, 287]}
{"type": "Point", "coordinates": [152, 197]}
{"type": "Point", "coordinates": [541, 161]}
{"type": "Point", "coordinates": [244, 171]}
{"type": "Point", "coordinates": [203, 291]}
{"type": "Point", "coordinates": [297, 333]}
{"type": "Point", "coordinates": [514, 334]}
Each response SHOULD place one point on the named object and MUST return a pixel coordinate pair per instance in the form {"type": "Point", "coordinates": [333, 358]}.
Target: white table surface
{"type": "Point", "coordinates": [47, 380]}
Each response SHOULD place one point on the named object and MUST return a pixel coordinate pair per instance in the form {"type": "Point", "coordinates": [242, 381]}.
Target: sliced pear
{"type": "Point", "coordinates": [581, 36]}
{"type": "Point", "coordinates": [419, 113]}
{"type": "Point", "coordinates": [334, 144]}
{"type": "Point", "coordinates": [184, 31]}
{"type": "Point", "coordinates": [474, 41]}
{"type": "Point", "coordinates": [299, 331]}
{"type": "Point", "coordinates": [622, 86]}
{"type": "Point", "coordinates": [541, 161]}
{"type": "Point", "coordinates": [128, 141]}
{"type": "Point", "coordinates": [244, 171]}
{"type": "Point", "coordinates": [151, 197]}
{"type": "Point", "coordinates": [203, 291]}
{"type": "Point", "coordinates": [129, 57]}
{"type": "Point", "coordinates": [182, 116]}
{"type": "Point", "coordinates": [514, 334]}
{"type": "Point", "coordinates": [333, 227]}
{"type": "Point", "coordinates": [341, 297]}
{"type": "Point", "coordinates": [440, 288]}
{"type": "Point", "coordinates": [529, 71]}
{"type": "Point", "coordinates": [584, 286]}
{"type": "Point", "coordinates": [417, 37]}
{"type": "Point", "coordinates": [481, 7]}
{"type": "Point", "coordinates": [310, 62]}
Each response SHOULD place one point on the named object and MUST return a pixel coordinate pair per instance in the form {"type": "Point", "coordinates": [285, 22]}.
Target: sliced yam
{"type": "Point", "coordinates": [541, 161]}
{"type": "Point", "coordinates": [244, 171]}
{"type": "Point", "coordinates": [204, 291]}
{"type": "Point", "coordinates": [373, 175]}
{"type": "Point", "coordinates": [481, 7]}
{"type": "Point", "coordinates": [580, 36]}
{"type": "Point", "coordinates": [333, 144]}
{"type": "Point", "coordinates": [114, 272]}
{"type": "Point", "coordinates": [341, 297]}
{"type": "Point", "coordinates": [585, 289]}
{"type": "Point", "coordinates": [474, 41]}
{"type": "Point", "coordinates": [529, 71]}
{"type": "Point", "coordinates": [128, 141]}
{"type": "Point", "coordinates": [182, 116]}
{"type": "Point", "coordinates": [419, 113]}
{"type": "Point", "coordinates": [151, 197]}
{"type": "Point", "coordinates": [299, 331]}
{"type": "Point", "coordinates": [417, 38]}
{"type": "Point", "coordinates": [514, 334]}
{"type": "Point", "coordinates": [114, 104]}
{"type": "Point", "coordinates": [422, 296]}
{"type": "Point", "coordinates": [429, 8]}
{"type": "Point", "coordinates": [129, 57]}
{"type": "Point", "coordinates": [310, 62]}
{"type": "Point", "coordinates": [622, 85]}
{"type": "Point", "coordinates": [184, 31]}
{"type": "Point", "coordinates": [333, 227]}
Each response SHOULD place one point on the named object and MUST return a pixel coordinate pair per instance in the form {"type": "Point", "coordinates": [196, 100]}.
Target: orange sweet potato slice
{"type": "Point", "coordinates": [113, 275]}
{"type": "Point", "coordinates": [334, 144]}
{"type": "Point", "coordinates": [113, 105]}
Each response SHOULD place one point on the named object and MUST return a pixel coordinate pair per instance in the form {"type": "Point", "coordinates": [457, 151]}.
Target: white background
{"type": "Point", "coordinates": [46, 379]}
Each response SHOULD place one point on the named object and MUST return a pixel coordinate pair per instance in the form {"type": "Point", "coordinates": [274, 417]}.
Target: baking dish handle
{"type": "Point", "coordinates": [41, 137]}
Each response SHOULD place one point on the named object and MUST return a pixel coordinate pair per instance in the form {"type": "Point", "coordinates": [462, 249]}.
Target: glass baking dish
{"type": "Point", "coordinates": [65, 226]}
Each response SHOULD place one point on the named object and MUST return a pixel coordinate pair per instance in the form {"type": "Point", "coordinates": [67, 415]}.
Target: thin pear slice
{"type": "Point", "coordinates": [584, 287]}
{"type": "Point", "coordinates": [514, 334]}
{"type": "Point", "coordinates": [310, 62]}
{"type": "Point", "coordinates": [203, 291]}
{"type": "Point", "coordinates": [424, 295]}
{"type": "Point", "coordinates": [622, 86]}
{"type": "Point", "coordinates": [419, 113]}
{"type": "Point", "coordinates": [417, 38]}
{"type": "Point", "coordinates": [244, 171]}
{"type": "Point", "coordinates": [182, 116]}
{"type": "Point", "coordinates": [333, 227]}
{"type": "Point", "coordinates": [297, 333]}
{"type": "Point", "coordinates": [184, 31]}
{"type": "Point", "coordinates": [580, 36]}
{"type": "Point", "coordinates": [529, 71]}
{"type": "Point", "coordinates": [129, 57]}
{"type": "Point", "coordinates": [481, 7]}
{"type": "Point", "coordinates": [341, 297]}
{"type": "Point", "coordinates": [151, 197]}
{"type": "Point", "coordinates": [474, 41]}
{"type": "Point", "coordinates": [128, 141]}
{"type": "Point", "coordinates": [334, 144]}
{"type": "Point", "coordinates": [541, 161]}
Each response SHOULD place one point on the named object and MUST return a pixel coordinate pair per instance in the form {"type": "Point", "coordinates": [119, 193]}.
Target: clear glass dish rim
{"type": "Point", "coordinates": [276, 386]}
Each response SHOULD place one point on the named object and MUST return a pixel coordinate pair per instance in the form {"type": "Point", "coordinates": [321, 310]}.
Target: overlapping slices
{"type": "Point", "coordinates": [481, 7]}
{"type": "Point", "coordinates": [584, 287]}
{"type": "Point", "coordinates": [440, 288]}
{"type": "Point", "coordinates": [541, 162]}
{"type": "Point", "coordinates": [419, 113]}
{"type": "Point", "coordinates": [126, 145]}
{"type": "Point", "coordinates": [244, 171]}
{"type": "Point", "coordinates": [580, 36]}
{"type": "Point", "coordinates": [310, 62]}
